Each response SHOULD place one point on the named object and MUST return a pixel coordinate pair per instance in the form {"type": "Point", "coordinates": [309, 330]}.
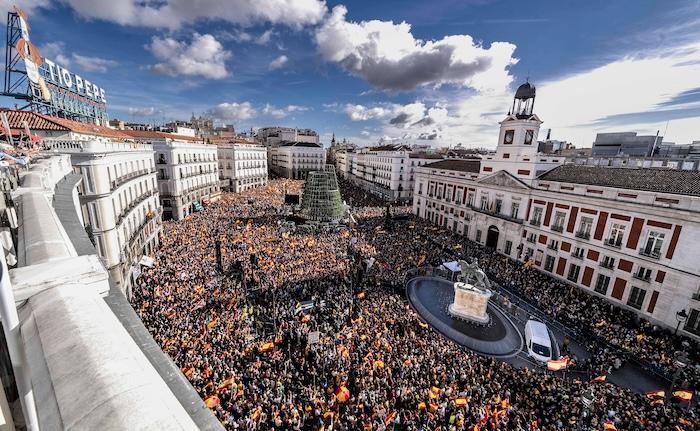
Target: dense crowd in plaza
{"type": "Point", "coordinates": [289, 341]}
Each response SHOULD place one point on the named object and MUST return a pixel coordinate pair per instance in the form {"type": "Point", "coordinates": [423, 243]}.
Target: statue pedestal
{"type": "Point", "coordinates": [470, 303]}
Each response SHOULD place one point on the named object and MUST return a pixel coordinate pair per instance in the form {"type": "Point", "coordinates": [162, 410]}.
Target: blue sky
{"type": "Point", "coordinates": [440, 72]}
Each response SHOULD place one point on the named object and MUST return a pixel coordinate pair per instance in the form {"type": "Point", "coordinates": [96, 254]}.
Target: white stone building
{"type": "Point", "coordinates": [242, 165]}
{"type": "Point", "coordinates": [386, 171]}
{"type": "Point", "coordinates": [295, 159]}
{"type": "Point", "coordinates": [188, 172]}
{"type": "Point", "coordinates": [273, 136]}
{"type": "Point", "coordinates": [118, 194]}
{"type": "Point", "coordinates": [628, 235]}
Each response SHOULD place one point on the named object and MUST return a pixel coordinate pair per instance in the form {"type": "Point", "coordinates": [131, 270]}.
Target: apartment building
{"type": "Point", "coordinates": [242, 165]}
{"type": "Point", "coordinates": [295, 159]}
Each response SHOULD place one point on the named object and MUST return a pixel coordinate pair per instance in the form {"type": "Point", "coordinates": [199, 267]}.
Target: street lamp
{"type": "Point", "coordinates": [681, 317]}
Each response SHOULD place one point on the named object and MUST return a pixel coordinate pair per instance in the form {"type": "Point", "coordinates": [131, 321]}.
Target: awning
{"type": "Point", "coordinates": [146, 261]}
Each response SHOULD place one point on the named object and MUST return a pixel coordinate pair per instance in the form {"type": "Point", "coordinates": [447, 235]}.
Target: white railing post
{"type": "Point", "coordinates": [10, 325]}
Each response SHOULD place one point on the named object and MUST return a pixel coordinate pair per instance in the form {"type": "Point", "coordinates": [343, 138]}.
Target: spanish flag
{"type": "Point", "coordinates": [256, 415]}
{"type": "Point", "coordinates": [684, 421]}
{"type": "Point", "coordinates": [361, 295]}
{"type": "Point", "coordinates": [421, 261]}
{"type": "Point", "coordinates": [600, 379]}
{"type": "Point", "coordinates": [558, 364]}
{"type": "Point", "coordinates": [188, 371]}
{"type": "Point", "coordinates": [342, 394]}
{"type": "Point", "coordinates": [435, 390]}
{"type": "Point", "coordinates": [378, 364]}
{"type": "Point", "coordinates": [212, 401]}
{"type": "Point", "coordinates": [389, 418]}
{"type": "Point", "coordinates": [305, 318]}
{"type": "Point", "coordinates": [658, 402]}
{"type": "Point", "coordinates": [213, 323]}
{"type": "Point", "coordinates": [656, 394]}
{"type": "Point", "coordinates": [421, 405]}
{"type": "Point", "coordinates": [683, 394]}
{"type": "Point", "coordinates": [505, 403]}
{"type": "Point", "coordinates": [423, 324]}
{"type": "Point", "coordinates": [228, 383]}
{"type": "Point", "coordinates": [461, 402]}
{"type": "Point", "coordinates": [266, 347]}
{"type": "Point", "coordinates": [609, 426]}
{"type": "Point", "coordinates": [433, 407]}
{"type": "Point", "coordinates": [328, 415]}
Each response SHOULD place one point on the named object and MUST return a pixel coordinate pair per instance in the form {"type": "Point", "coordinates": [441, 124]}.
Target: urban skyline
{"type": "Point", "coordinates": [604, 67]}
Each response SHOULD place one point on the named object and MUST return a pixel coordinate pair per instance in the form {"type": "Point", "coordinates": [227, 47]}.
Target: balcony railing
{"type": "Point", "coordinates": [495, 214]}
{"type": "Point", "coordinates": [535, 222]}
{"type": "Point", "coordinates": [612, 242]}
{"type": "Point", "coordinates": [132, 205]}
{"type": "Point", "coordinates": [642, 277]}
{"type": "Point", "coordinates": [577, 255]}
{"type": "Point", "coordinates": [650, 253]}
{"type": "Point", "coordinates": [130, 176]}
{"type": "Point", "coordinates": [607, 264]}
{"type": "Point", "coordinates": [583, 235]}
{"type": "Point", "coordinates": [552, 247]}
{"type": "Point", "coordinates": [557, 228]}
{"type": "Point", "coordinates": [528, 239]}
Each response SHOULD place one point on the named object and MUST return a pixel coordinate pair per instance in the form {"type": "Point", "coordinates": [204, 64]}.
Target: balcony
{"type": "Point", "coordinates": [642, 277]}
{"type": "Point", "coordinates": [650, 253]}
{"type": "Point", "coordinates": [577, 255]}
{"type": "Point", "coordinates": [557, 228]}
{"type": "Point", "coordinates": [537, 222]}
{"type": "Point", "coordinates": [530, 239]}
{"type": "Point", "coordinates": [495, 214]}
{"type": "Point", "coordinates": [607, 264]}
{"type": "Point", "coordinates": [132, 205]}
{"type": "Point", "coordinates": [583, 235]}
{"type": "Point", "coordinates": [612, 242]}
{"type": "Point", "coordinates": [130, 176]}
{"type": "Point", "coordinates": [553, 247]}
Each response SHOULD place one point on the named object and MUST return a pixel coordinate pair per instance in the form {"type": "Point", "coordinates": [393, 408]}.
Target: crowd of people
{"type": "Point", "coordinates": [285, 335]}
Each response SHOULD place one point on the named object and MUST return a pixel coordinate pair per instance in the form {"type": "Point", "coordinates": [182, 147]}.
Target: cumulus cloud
{"type": "Point", "coordinates": [283, 112]}
{"type": "Point", "coordinates": [93, 64]}
{"type": "Point", "coordinates": [233, 111]}
{"type": "Point", "coordinates": [364, 113]}
{"type": "Point", "coordinates": [57, 52]}
{"type": "Point", "coordinates": [143, 111]}
{"type": "Point", "coordinates": [390, 58]}
{"type": "Point", "coordinates": [176, 13]}
{"type": "Point", "coordinates": [278, 62]}
{"type": "Point", "coordinates": [203, 56]}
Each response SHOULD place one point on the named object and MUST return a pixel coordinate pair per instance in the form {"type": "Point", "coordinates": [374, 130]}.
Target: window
{"type": "Point", "coordinates": [617, 233]}
{"type": "Point", "coordinates": [508, 248]}
{"type": "Point", "coordinates": [536, 217]}
{"type": "Point", "coordinates": [514, 209]}
{"type": "Point", "coordinates": [499, 205]}
{"type": "Point", "coordinates": [531, 237]}
{"type": "Point", "coordinates": [578, 252]}
{"type": "Point", "coordinates": [470, 199]}
{"type": "Point", "coordinates": [553, 244]}
{"type": "Point", "coordinates": [478, 236]}
{"type": "Point", "coordinates": [584, 230]}
{"type": "Point", "coordinates": [558, 225]}
{"type": "Point", "coordinates": [508, 137]}
{"type": "Point", "coordinates": [608, 262]}
{"type": "Point", "coordinates": [529, 135]}
{"type": "Point", "coordinates": [573, 273]}
{"type": "Point", "coordinates": [484, 203]}
{"type": "Point", "coordinates": [601, 284]}
{"type": "Point", "coordinates": [652, 248]}
{"type": "Point", "coordinates": [643, 273]}
{"type": "Point", "coordinates": [693, 323]}
{"type": "Point", "coordinates": [549, 263]}
{"type": "Point", "coordinates": [636, 298]}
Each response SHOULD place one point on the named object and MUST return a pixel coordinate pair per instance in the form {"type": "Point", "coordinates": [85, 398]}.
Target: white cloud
{"type": "Point", "coordinates": [203, 56]}
{"type": "Point", "coordinates": [389, 57]}
{"type": "Point", "coordinates": [233, 111]}
{"type": "Point", "coordinates": [175, 13]}
{"type": "Point", "coordinates": [283, 112]}
{"type": "Point", "coordinates": [93, 64]}
{"type": "Point", "coordinates": [364, 113]}
{"type": "Point", "coordinates": [264, 38]}
{"type": "Point", "coordinates": [144, 111]}
{"type": "Point", "coordinates": [57, 52]}
{"type": "Point", "coordinates": [278, 62]}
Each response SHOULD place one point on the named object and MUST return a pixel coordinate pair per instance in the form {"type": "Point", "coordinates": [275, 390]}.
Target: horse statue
{"type": "Point", "coordinates": [472, 274]}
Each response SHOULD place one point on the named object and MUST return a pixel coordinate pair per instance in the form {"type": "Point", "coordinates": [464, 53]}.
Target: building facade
{"type": "Point", "coordinates": [273, 136]}
{"type": "Point", "coordinates": [118, 193]}
{"type": "Point", "coordinates": [187, 171]}
{"type": "Point", "coordinates": [296, 159]}
{"type": "Point", "coordinates": [386, 171]}
{"type": "Point", "coordinates": [242, 166]}
{"type": "Point", "coordinates": [625, 234]}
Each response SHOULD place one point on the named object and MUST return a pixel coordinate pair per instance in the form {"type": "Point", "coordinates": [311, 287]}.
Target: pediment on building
{"type": "Point", "coordinates": [513, 117]}
{"type": "Point", "coordinates": [503, 179]}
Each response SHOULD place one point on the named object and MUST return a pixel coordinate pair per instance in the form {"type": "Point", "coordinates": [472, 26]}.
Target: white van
{"type": "Point", "coordinates": [539, 345]}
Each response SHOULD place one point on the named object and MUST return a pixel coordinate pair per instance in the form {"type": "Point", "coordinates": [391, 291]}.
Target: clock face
{"type": "Point", "coordinates": [508, 139]}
